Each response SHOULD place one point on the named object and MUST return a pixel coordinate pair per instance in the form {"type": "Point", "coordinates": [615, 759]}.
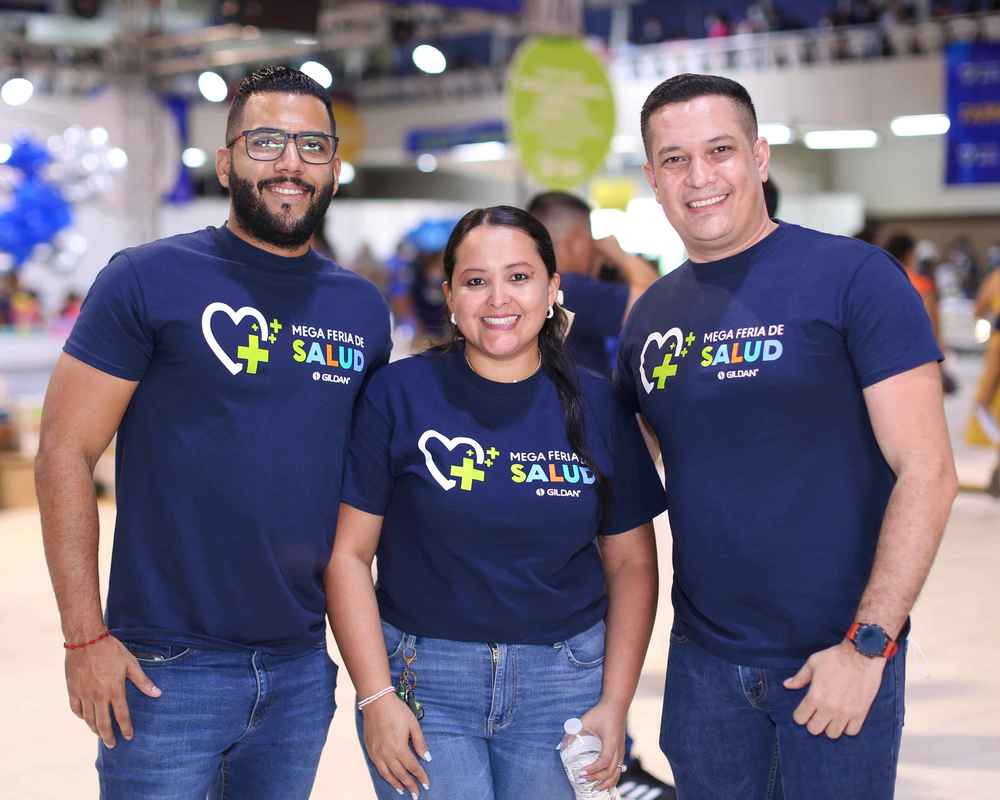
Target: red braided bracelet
{"type": "Point", "coordinates": [69, 646]}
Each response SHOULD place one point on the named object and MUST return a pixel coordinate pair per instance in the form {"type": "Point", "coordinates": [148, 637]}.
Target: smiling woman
{"type": "Point", "coordinates": [446, 446]}
{"type": "Point", "coordinates": [500, 293]}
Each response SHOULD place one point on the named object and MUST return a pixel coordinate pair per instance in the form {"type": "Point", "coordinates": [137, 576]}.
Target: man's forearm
{"type": "Point", "coordinates": [911, 532]}
{"type": "Point", "coordinates": [70, 533]}
{"type": "Point", "coordinates": [636, 270]}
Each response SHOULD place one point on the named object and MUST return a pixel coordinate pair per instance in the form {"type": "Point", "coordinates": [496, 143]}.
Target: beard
{"type": "Point", "coordinates": [278, 230]}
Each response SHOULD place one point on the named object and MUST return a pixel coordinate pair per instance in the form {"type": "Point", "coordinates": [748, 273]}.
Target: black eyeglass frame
{"type": "Point", "coordinates": [289, 136]}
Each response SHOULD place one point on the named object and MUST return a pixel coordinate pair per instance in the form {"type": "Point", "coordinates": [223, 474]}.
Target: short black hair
{"type": "Point", "coordinates": [548, 203]}
{"type": "Point", "coordinates": [560, 212]}
{"type": "Point", "coordinates": [900, 245]}
{"type": "Point", "coordinates": [688, 86]}
{"type": "Point", "coordinates": [275, 78]}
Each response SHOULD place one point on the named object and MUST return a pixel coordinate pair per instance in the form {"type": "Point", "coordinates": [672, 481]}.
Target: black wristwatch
{"type": "Point", "coordinates": [871, 640]}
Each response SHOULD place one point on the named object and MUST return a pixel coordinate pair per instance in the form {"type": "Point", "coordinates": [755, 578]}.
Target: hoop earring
{"type": "Point", "coordinates": [453, 319]}
{"type": "Point", "coordinates": [551, 313]}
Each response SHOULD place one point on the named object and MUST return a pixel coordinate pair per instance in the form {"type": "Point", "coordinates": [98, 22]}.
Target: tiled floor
{"type": "Point", "coordinates": [951, 745]}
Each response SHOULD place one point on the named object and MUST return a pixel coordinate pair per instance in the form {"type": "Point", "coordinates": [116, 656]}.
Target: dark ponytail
{"type": "Point", "coordinates": [555, 360]}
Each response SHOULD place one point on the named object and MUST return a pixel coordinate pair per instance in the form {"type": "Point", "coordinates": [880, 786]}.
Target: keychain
{"type": "Point", "coordinates": [406, 691]}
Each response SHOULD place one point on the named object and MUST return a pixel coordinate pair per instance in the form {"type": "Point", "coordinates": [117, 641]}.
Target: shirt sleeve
{"type": "Point", "coordinates": [382, 353]}
{"type": "Point", "coordinates": [113, 332]}
{"type": "Point", "coordinates": [886, 325]}
{"type": "Point", "coordinates": [637, 494]}
{"type": "Point", "coordinates": [599, 305]}
{"type": "Point", "coordinates": [368, 476]}
{"type": "Point", "coordinates": [622, 378]}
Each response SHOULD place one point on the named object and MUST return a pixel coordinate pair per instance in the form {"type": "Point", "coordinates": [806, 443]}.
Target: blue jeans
{"type": "Point", "coordinates": [728, 732]}
{"type": "Point", "coordinates": [492, 729]}
{"type": "Point", "coordinates": [240, 725]}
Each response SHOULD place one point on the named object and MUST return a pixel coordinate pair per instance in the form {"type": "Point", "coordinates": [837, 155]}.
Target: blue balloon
{"type": "Point", "coordinates": [431, 235]}
{"type": "Point", "coordinates": [39, 210]}
{"type": "Point", "coordinates": [28, 156]}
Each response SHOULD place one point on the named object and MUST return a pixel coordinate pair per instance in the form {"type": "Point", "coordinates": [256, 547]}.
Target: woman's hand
{"type": "Point", "coordinates": [390, 728]}
{"type": "Point", "coordinates": [607, 722]}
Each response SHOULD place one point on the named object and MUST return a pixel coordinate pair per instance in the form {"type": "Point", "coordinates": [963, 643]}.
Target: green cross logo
{"type": "Point", "coordinates": [253, 354]}
{"type": "Point", "coordinates": [664, 371]}
{"type": "Point", "coordinates": [468, 474]}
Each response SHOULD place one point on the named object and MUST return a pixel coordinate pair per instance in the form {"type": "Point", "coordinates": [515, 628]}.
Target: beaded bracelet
{"type": "Point", "coordinates": [377, 696]}
{"type": "Point", "coordinates": [80, 646]}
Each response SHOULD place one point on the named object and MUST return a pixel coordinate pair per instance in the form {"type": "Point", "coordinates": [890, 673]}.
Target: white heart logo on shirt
{"type": "Point", "coordinates": [237, 317]}
{"type": "Point", "coordinates": [451, 444]}
{"type": "Point", "coordinates": [660, 339]}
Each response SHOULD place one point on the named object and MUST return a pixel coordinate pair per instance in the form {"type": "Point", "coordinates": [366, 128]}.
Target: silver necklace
{"type": "Point", "coordinates": [518, 380]}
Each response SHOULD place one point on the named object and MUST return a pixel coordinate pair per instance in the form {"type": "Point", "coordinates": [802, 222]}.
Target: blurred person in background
{"type": "Point", "coordinates": [20, 308]}
{"type": "Point", "coordinates": [600, 306]}
{"type": "Point", "coordinates": [8, 286]}
{"type": "Point", "coordinates": [984, 426]}
{"type": "Point", "coordinates": [25, 307]}
{"type": "Point", "coordinates": [870, 231]}
{"type": "Point", "coordinates": [903, 248]}
{"type": "Point", "coordinates": [367, 265]}
{"type": "Point", "coordinates": [71, 307]}
{"type": "Point", "coordinates": [427, 298]}
{"type": "Point", "coordinates": [716, 25]}
{"type": "Point", "coordinates": [965, 265]}
{"type": "Point", "coordinates": [321, 244]}
{"type": "Point", "coordinates": [415, 275]}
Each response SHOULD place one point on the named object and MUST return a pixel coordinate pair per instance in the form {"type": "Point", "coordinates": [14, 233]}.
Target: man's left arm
{"type": "Point", "coordinates": [907, 416]}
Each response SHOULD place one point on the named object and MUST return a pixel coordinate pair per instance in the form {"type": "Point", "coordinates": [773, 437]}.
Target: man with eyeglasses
{"type": "Point", "coordinates": [227, 361]}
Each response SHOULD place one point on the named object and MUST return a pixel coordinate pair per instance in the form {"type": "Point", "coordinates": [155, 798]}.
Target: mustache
{"type": "Point", "coordinates": [262, 185]}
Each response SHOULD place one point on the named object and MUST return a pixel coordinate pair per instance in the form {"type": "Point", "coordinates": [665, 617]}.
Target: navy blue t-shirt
{"type": "Point", "coordinates": [230, 454]}
{"type": "Point", "coordinates": [490, 519]}
{"type": "Point", "coordinates": [600, 310]}
{"type": "Point", "coordinates": [750, 370]}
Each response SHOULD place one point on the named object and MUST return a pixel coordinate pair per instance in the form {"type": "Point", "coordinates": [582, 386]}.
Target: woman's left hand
{"type": "Point", "coordinates": [608, 723]}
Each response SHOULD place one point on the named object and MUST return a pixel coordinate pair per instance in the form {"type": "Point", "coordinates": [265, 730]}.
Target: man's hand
{"type": "Point", "coordinates": [95, 678]}
{"type": "Point", "coordinates": [842, 687]}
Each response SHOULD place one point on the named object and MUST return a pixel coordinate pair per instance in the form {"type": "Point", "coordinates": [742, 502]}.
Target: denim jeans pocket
{"type": "Point", "coordinates": [586, 649]}
{"type": "Point", "coordinates": [393, 638]}
{"type": "Point", "coordinates": [155, 652]}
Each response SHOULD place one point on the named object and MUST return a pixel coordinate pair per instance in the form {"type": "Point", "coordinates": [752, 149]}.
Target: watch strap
{"type": "Point", "coordinates": [887, 652]}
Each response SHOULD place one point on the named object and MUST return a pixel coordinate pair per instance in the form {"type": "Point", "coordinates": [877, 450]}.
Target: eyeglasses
{"type": "Point", "coordinates": [267, 144]}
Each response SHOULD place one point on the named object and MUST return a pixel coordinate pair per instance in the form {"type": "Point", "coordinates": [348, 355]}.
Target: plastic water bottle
{"type": "Point", "coordinates": [578, 750]}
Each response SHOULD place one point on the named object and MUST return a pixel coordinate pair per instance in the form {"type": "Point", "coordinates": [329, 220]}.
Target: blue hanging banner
{"type": "Point", "coordinates": [433, 140]}
{"type": "Point", "coordinates": [974, 111]}
{"type": "Point", "coordinates": [496, 6]}
{"type": "Point", "coordinates": [183, 189]}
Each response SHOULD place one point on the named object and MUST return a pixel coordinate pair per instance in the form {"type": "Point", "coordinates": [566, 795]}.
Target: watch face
{"type": "Point", "coordinates": [871, 640]}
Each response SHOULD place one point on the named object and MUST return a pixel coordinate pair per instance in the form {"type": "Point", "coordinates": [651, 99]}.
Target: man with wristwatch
{"type": "Point", "coordinates": [871, 640]}
{"type": "Point", "coordinates": [791, 379]}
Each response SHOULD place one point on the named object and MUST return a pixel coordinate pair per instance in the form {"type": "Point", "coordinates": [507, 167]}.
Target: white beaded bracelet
{"type": "Point", "coordinates": [377, 696]}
